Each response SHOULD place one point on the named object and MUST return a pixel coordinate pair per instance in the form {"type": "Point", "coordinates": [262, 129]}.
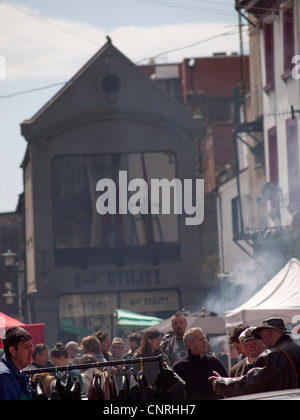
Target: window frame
{"type": "Point", "coordinates": [269, 57]}
{"type": "Point", "coordinates": [288, 42]}
{"type": "Point", "coordinates": [118, 254]}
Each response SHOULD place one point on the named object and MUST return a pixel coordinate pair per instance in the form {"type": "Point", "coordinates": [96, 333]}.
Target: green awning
{"type": "Point", "coordinates": [69, 326]}
{"type": "Point", "coordinates": [131, 319]}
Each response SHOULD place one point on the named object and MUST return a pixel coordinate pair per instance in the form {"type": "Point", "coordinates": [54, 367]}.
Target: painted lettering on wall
{"type": "Point", "coordinates": [142, 277]}
{"type": "Point", "coordinates": [156, 300]}
{"type": "Point", "coordinates": [134, 277]}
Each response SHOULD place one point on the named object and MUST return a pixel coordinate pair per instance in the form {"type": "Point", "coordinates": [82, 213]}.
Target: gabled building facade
{"type": "Point", "coordinates": [110, 118]}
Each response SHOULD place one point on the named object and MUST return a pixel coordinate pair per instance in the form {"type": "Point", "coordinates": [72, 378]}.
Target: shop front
{"type": "Point", "coordinates": [97, 311]}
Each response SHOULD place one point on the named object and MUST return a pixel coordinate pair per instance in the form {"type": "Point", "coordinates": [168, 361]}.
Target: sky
{"type": "Point", "coordinates": [44, 43]}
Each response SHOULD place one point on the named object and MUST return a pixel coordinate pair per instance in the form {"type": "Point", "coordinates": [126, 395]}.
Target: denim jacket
{"type": "Point", "coordinates": [14, 385]}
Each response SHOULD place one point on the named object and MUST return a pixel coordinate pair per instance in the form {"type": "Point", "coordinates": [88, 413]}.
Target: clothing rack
{"type": "Point", "coordinates": [79, 366]}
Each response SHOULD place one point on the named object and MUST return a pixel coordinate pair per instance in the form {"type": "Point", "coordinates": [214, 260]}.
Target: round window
{"type": "Point", "coordinates": [111, 84]}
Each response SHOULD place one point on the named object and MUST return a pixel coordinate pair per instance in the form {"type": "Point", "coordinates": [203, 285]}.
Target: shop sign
{"type": "Point", "coordinates": [165, 300]}
{"type": "Point", "coordinates": [81, 305]}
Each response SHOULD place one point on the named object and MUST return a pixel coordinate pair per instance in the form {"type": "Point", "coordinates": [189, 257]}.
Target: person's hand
{"type": "Point", "coordinates": [214, 379]}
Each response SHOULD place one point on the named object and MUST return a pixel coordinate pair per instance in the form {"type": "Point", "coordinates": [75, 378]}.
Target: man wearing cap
{"type": "Point", "coordinates": [276, 368]}
{"type": "Point", "coordinates": [117, 349]}
{"type": "Point", "coordinates": [251, 347]}
{"type": "Point", "coordinates": [74, 350]}
{"type": "Point", "coordinates": [14, 385]}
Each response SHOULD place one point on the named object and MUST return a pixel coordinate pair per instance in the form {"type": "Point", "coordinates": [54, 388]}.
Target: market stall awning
{"type": "Point", "coordinates": [131, 319]}
{"type": "Point", "coordinates": [6, 321]}
{"type": "Point", "coordinates": [69, 326]}
{"type": "Point", "coordinates": [279, 297]}
{"type": "Point", "coordinates": [37, 331]}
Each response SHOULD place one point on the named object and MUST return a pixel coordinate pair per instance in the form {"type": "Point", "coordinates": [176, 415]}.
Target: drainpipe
{"type": "Point", "coordinates": [221, 233]}
{"type": "Point", "coordinates": [237, 171]}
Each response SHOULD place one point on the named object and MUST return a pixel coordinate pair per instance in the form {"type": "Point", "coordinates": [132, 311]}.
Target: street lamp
{"type": "Point", "coordinates": [9, 297]}
{"type": "Point", "coordinates": [12, 267]}
{"type": "Point", "coordinates": [9, 259]}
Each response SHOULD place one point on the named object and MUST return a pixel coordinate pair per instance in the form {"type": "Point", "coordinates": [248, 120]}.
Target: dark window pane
{"type": "Point", "coordinates": [78, 224]}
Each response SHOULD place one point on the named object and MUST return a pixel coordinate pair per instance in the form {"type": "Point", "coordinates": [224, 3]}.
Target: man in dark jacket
{"type": "Point", "coordinates": [134, 341]}
{"type": "Point", "coordinates": [14, 384]}
{"type": "Point", "coordinates": [173, 344]}
{"type": "Point", "coordinates": [197, 367]}
{"type": "Point", "coordinates": [276, 368]}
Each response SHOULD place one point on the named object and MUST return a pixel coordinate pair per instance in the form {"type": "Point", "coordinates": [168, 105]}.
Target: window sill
{"type": "Point", "coordinates": [269, 87]}
{"type": "Point", "coordinates": [287, 75]}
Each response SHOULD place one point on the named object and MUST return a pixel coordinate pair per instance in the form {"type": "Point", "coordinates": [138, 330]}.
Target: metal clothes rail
{"type": "Point", "coordinates": [67, 368]}
{"type": "Point", "coordinates": [79, 366]}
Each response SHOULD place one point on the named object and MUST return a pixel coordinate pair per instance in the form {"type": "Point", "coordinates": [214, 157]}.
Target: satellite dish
{"type": "Point", "coordinates": [269, 191]}
{"type": "Point", "coordinates": [192, 62]}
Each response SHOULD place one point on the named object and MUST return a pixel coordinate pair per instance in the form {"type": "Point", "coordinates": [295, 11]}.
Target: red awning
{"type": "Point", "coordinates": [6, 321]}
{"type": "Point", "coordinates": [37, 331]}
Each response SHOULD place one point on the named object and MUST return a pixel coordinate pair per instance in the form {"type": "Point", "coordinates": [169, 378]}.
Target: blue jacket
{"type": "Point", "coordinates": [14, 385]}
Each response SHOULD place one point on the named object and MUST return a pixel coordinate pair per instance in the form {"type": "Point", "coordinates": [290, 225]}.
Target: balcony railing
{"type": "Point", "coordinates": [258, 214]}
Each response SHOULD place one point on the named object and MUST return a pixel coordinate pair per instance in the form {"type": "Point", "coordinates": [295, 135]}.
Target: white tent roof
{"type": "Point", "coordinates": [279, 297]}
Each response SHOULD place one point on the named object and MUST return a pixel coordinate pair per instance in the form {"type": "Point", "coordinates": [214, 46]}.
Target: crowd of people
{"type": "Point", "coordinates": [267, 359]}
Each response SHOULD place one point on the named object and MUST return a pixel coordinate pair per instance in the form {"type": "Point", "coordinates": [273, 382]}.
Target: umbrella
{"type": "Point", "coordinates": [166, 325]}
{"type": "Point", "coordinates": [208, 321]}
{"type": "Point", "coordinates": [131, 319]}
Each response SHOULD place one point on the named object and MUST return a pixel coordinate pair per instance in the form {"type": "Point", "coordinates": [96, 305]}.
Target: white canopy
{"type": "Point", "coordinates": [279, 297]}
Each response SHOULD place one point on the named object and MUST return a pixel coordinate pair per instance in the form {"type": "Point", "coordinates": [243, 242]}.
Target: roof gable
{"type": "Point", "coordinates": [109, 83]}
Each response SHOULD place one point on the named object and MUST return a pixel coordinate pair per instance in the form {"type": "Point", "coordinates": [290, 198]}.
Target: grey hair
{"type": "Point", "coordinates": [188, 335]}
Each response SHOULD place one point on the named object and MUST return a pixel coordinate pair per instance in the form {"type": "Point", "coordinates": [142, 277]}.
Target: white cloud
{"type": "Point", "coordinates": [138, 43]}
{"type": "Point", "coordinates": [34, 49]}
